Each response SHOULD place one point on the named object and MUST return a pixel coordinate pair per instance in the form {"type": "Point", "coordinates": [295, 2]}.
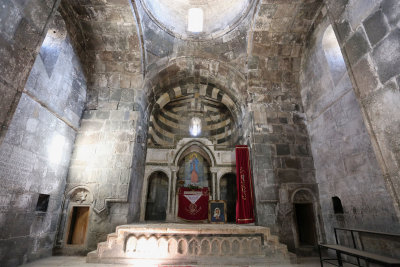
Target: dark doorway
{"type": "Point", "coordinates": [306, 224]}
{"type": "Point", "coordinates": [157, 197]}
{"type": "Point", "coordinates": [78, 225]}
{"type": "Point", "coordinates": [228, 194]}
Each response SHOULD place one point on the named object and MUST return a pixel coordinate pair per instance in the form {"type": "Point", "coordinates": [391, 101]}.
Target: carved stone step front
{"type": "Point", "coordinates": [204, 244]}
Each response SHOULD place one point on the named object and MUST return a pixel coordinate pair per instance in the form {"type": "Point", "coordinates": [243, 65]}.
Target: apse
{"type": "Point", "coordinates": [192, 111]}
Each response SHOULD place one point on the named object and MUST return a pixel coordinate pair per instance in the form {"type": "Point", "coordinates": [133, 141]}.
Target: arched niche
{"type": "Point", "coordinates": [198, 147]}
{"type": "Point", "coordinates": [194, 167]}
{"type": "Point", "coordinates": [228, 192]}
{"type": "Point", "coordinates": [157, 197]}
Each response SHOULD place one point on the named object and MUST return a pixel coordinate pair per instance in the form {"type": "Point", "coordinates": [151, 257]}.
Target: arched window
{"type": "Point", "coordinates": [337, 205]}
{"type": "Point", "coordinates": [195, 20]}
{"type": "Point", "coordinates": [195, 126]}
{"type": "Point", "coordinates": [333, 55]}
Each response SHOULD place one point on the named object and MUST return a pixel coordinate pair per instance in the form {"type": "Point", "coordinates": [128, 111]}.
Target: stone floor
{"type": "Point", "coordinates": [64, 261]}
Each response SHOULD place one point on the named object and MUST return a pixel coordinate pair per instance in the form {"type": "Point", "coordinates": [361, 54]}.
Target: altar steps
{"type": "Point", "coordinates": [190, 244]}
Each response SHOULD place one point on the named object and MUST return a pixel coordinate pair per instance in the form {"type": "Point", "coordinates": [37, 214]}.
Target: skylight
{"type": "Point", "coordinates": [195, 20]}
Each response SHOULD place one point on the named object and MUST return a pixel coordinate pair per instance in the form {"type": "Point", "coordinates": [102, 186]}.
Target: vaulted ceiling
{"type": "Point", "coordinates": [261, 41]}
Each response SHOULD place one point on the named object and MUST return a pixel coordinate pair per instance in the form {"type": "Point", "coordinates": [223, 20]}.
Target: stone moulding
{"type": "Point", "coordinates": [190, 244]}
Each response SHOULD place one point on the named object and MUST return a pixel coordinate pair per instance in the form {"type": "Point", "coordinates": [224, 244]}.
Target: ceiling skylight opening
{"type": "Point", "coordinates": [195, 20]}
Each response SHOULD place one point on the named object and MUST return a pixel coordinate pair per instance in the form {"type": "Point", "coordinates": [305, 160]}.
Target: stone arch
{"type": "Point", "coordinates": [145, 189]}
{"type": "Point", "coordinates": [185, 69]}
{"type": "Point", "coordinates": [212, 80]}
{"type": "Point", "coordinates": [80, 194]}
{"type": "Point", "coordinates": [180, 153]}
{"type": "Point", "coordinates": [301, 195]}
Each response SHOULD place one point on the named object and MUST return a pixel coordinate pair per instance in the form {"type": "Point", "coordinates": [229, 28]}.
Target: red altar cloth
{"type": "Point", "coordinates": [193, 204]}
{"type": "Point", "coordinates": [244, 202]}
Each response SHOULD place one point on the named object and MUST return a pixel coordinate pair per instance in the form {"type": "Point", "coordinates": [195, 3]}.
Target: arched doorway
{"type": "Point", "coordinates": [228, 194]}
{"type": "Point", "coordinates": [157, 197]}
{"type": "Point", "coordinates": [305, 219]}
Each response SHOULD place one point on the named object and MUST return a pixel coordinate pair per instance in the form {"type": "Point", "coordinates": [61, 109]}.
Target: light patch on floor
{"type": "Point", "coordinates": [73, 261]}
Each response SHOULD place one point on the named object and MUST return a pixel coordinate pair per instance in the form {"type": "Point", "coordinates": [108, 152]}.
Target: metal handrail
{"type": "Point", "coordinates": [360, 231]}
{"type": "Point", "coordinates": [366, 231]}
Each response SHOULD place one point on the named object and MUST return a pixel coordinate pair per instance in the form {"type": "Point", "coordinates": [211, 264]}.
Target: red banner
{"type": "Point", "coordinates": [244, 202]}
{"type": "Point", "coordinates": [193, 204]}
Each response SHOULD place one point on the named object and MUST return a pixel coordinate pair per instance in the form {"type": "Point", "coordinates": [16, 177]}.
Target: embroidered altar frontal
{"type": "Point", "coordinates": [193, 204]}
{"type": "Point", "coordinates": [244, 203]}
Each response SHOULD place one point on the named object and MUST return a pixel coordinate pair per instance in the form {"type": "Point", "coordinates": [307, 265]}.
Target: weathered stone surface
{"type": "Point", "coordinates": [357, 46]}
{"type": "Point", "coordinates": [21, 32]}
{"type": "Point", "coordinates": [341, 147]}
{"type": "Point", "coordinates": [183, 244]}
{"type": "Point", "coordinates": [291, 102]}
{"type": "Point", "coordinates": [35, 153]}
{"type": "Point", "coordinates": [376, 27]}
{"type": "Point", "coordinates": [387, 57]}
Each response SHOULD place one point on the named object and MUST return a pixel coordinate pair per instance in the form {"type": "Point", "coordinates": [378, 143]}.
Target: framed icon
{"type": "Point", "coordinates": [217, 211]}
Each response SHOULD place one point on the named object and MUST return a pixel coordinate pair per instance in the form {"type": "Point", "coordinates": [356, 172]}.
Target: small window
{"type": "Point", "coordinates": [42, 203]}
{"type": "Point", "coordinates": [337, 205]}
{"type": "Point", "coordinates": [195, 126]}
{"type": "Point", "coordinates": [333, 55]}
{"type": "Point", "coordinates": [195, 20]}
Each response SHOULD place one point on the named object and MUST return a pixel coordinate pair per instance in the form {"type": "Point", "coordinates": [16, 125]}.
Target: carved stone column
{"type": "Point", "coordinates": [172, 194]}
{"type": "Point", "coordinates": [215, 183]}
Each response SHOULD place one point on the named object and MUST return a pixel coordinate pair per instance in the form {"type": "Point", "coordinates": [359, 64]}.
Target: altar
{"type": "Point", "coordinates": [181, 185]}
{"type": "Point", "coordinates": [192, 164]}
{"type": "Point", "coordinates": [190, 244]}
{"type": "Point", "coordinates": [173, 175]}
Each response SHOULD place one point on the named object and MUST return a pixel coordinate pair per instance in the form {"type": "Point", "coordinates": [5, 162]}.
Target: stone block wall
{"type": "Point", "coordinates": [35, 153]}
{"type": "Point", "coordinates": [23, 24]}
{"type": "Point", "coordinates": [281, 152]}
{"type": "Point", "coordinates": [369, 34]}
{"type": "Point", "coordinates": [109, 154]}
{"type": "Point", "coordinates": [344, 159]}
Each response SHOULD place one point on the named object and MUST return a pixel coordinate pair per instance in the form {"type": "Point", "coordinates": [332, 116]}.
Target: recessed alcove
{"type": "Point", "coordinates": [157, 197]}
{"type": "Point", "coordinates": [42, 202]}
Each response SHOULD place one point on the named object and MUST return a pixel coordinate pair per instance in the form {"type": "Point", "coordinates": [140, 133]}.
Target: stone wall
{"type": "Point", "coordinates": [344, 160]}
{"type": "Point", "coordinates": [108, 156]}
{"type": "Point", "coordinates": [281, 153]}
{"type": "Point", "coordinates": [35, 153]}
{"type": "Point", "coordinates": [368, 33]}
{"type": "Point", "coordinates": [23, 24]}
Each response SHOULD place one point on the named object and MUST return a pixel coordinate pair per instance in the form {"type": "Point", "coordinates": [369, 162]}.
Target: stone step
{"type": "Point", "coordinates": [190, 244]}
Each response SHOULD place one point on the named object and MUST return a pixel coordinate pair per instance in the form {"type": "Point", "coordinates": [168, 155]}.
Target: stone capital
{"type": "Point", "coordinates": [214, 169]}
{"type": "Point", "coordinates": [174, 168]}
